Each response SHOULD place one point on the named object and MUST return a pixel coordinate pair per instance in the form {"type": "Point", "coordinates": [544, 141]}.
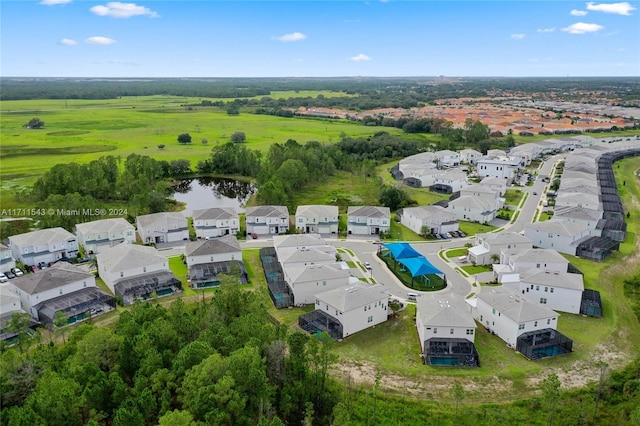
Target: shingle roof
{"type": "Point", "coordinates": [553, 279]}
{"type": "Point", "coordinates": [317, 210]}
{"type": "Point", "coordinates": [312, 254]}
{"type": "Point", "coordinates": [149, 219]}
{"type": "Point", "coordinates": [58, 275]}
{"type": "Point", "coordinates": [444, 311]}
{"type": "Point", "coordinates": [558, 227]}
{"type": "Point", "coordinates": [369, 211]}
{"type": "Point", "coordinates": [104, 225]}
{"type": "Point", "coordinates": [267, 211]}
{"type": "Point", "coordinates": [225, 244]}
{"type": "Point", "coordinates": [126, 256]}
{"type": "Point", "coordinates": [298, 240]}
{"type": "Point", "coordinates": [474, 202]}
{"type": "Point", "coordinates": [42, 236]}
{"type": "Point", "coordinates": [215, 213]}
{"type": "Point", "coordinates": [330, 271]}
{"type": "Point", "coordinates": [435, 214]}
{"type": "Point", "coordinates": [348, 298]}
{"type": "Point", "coordinates": [515, 307]}
{"type": "Point", "coordinates": [576, 212]}
{"type": "Point", "coordinates": [536, 255]}
{"type": "Point", "coordinates": [504, 238]}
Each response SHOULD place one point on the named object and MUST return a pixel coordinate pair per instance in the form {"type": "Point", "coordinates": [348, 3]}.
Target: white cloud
{"type": "Point", "coordinates": [623, 8]}
{"type": "Point", "coordinates": [291, 37]}
{"type": "Point", "coordinates": [360, 58]}
{"type": "Point", "coordinates": [116, 9]}
{"type": "Point", "coordinates": [546, 30]}
{"type": "Point", "coordinates": [582, 28]}
{"type": "Point", "coordinates": [517, 36]}
{"type": "Point", "coordinates": [576, 12]}
{"type": "Point", "coordinates": [99, 40]}
{"type": "Point", "coordinates": [68, 42]}
{"type": "Point", "coordinates": [54, 2]}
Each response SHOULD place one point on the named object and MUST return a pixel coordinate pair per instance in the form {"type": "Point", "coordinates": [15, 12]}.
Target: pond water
{"type": "Point", "coordinates": [208, 192]}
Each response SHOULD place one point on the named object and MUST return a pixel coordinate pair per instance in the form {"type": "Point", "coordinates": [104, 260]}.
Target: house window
{"type": "Point", "coordinates": [469, 331]}
{"type": "Point", "coordinates": [546, 289]}
{"type": "Point", "coordinates": [494, 311]}
{"type": "Point", "coordinates": [538, 265]}
{"type": "Point", "coordinates": [435, 331]}
{"type": "Point", "coordinates": [551, 290]}
{"type": "Point", "coordinates": [60, 291]}
{"type": "Point", "coordinates": [548, 321]}
{"type": "Point", "coordinates": [121, 274]}
{"type": "Point", "coordinates": [543, 300]}
{"type": "Point", "coordinates": [520, 326]}
{"type": "Point", "coordinates": [370, 319]}
{"type": "Point", "coordinates": [480, 318]}
{"type": "Point", "coordinates": [337, 312]}
{"type": "Point", "coordinates": [451, 331]}
{"type": "Point", "coordinates": [365, 308]}
{"type": "Point", "coordinates": [327, 307]}
{"type": "Point", "coordinates": [537, 288]}
{"type": "Point", "coordinates": [84, 284]}
{"type": "Point", "coordinates": [535, 323]}
{"type": "Point", "coordinates": [317, 302]}
{"type": "Point", "coordinates": [144, 269]}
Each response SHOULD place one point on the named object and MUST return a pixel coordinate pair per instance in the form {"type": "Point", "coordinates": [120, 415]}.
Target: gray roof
{"type": "Point", "coordinates": [126, 256]}
{"type": "Point", "coordinates": [369, 211]}
{"type": "Point", "coordinates": [504, 238]}
{"type": "Point", "coordinates": [329, 271]}
{"type": "Point", "coordinates": [311, 254]}
{"type": "Point", "coordinates": [444, 311]}
{"type": "Point", "coordinates": [346, 299]}
{"type": "Point", "coordinates": [298, 240]}
{"type": "Point", "coordinates": [104, 225]}
{"type": "Point", "coordinates": [317, 210]}
{"type": "Point", "coordinates": [581, 189]}
{"type": "Point", "coordinates": [434, 214]}
{"type": "Point", "coordinates": [515, 307]}
{"type": "Point", "coordinates": [215, 213]}
{"type": "Point", "coordinates": [3, 247]}
{"type": "Point", "coordinates": [225, 244]}
{"type": "Point", "coordinates": [7, 296]}
{"type": "Point", "coordinates": [553, 279]}
{"type": "Point", "coordinates": [576, 212]}
{"type": "Point", "coordinates": [267, 211]}
{"type": "Point", "coordinates": [42, 236]}
{"type": "Point", "coordinates": [478, 188]}
{"type": "Point", "coordinates": [149, 219]}
{"type": "Point", "coordinates": [493, 181]}
{"type": "Point", "coordinates": [558, 227]}
{"type": "Point", "coordinates": [536, 255]}
{"type": "Point", "coordinates": [474, 202]}
{"type": "Point", "coordinates": [58, 275]}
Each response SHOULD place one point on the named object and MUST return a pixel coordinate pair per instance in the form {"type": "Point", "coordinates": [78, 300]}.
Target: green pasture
{"type": "Point", "coordinates": [98, 128]}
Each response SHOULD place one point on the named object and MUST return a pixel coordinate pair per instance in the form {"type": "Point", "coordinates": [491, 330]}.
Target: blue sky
{"type": "Point", "coordinates": [79, 38]}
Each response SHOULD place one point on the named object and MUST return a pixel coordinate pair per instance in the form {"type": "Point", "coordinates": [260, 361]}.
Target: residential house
{"type": "Point", "coordinates": [61, 287]}
{"type": "Point", "coordinates": [356, 307]}
{"type": "Point", "coordinates": [496, 184]}
{"type": "Point", "coordinates": [452, 179]}
{"type": "Point", "coordinates": [7, 262]}
{"type": "Point", "coordinates": [298, 240]}
{"type": "Point", "coordinates": [267, 220]}
{"type": "Point", "coordinates": [302, 257]}
{"type": "Point", "coordinates": [164, 227]}
{"type": "Point", "coordinates": [368, 220]}
{"type": "Point", "coordinates": [446, 330]}
{"type": "Point", "coordinates": [488, 245]}
{"type": "Point", "coordinates": [447, 158]}
{"type": "Point", "coordinates": [474, 209]}
{"type": "Point", "coordinates": [216, 222]}
{"type": "Point", "coordinates": [133, 272]}
{"type": "Point", "coordinates": [560, 291]}
{"type": "Point", "coordinates": [317, 219]}
{"type": "Point", "coordinates": [578, 215]}
{"type": "Point", "coordinates": [469, 156]}
{"type": "Point", "coordinates": [558, 235]}
{"type": "Point", "coordinates": [9, 305]}
{"type": "Point", "coordinates": [520, 260]}
{"type": "Point", "coordinates": [307, 281]}
{"type": "Point", "coordinates": [102, 234]}
{"type": "Point", "coordinates": [435, 219]}
{"type": "Point", "coordinates": [508, 314]}
{"type": "Point", "coordinates": [498, 167]}
{"type": "Point", "coordinates": [208, 258]}
{"type": "Point", "coordinates": [45, 245]}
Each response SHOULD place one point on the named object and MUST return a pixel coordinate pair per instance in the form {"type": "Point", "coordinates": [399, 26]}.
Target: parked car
{"type": "Point", "coordinates": [3, 278]}
{"type": "Point", "coordinates": [455, 234]}
{"type": "Point", "coordinates": [437, 236]}
{"type": "Point", "coordinates": [254, 236]}
{"type": "Point", "coordinates": [535, 193]}
{"type": "Point", "coordinates": [462, 234]}
{"type": "Point", "coordinates": [444, 236]}
{"type": "Point", "coordinates": [367, 265]}
{"type": "Point", "coordinates": [448, 235]}
{"type": "Point", "coordinates": [10, 275]}
{"type": "Point", "coordinates": [17, 271]}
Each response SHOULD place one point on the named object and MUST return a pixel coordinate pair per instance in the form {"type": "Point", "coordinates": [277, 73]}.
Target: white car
{"type": "Point", "coordinates": [367, 265]}
{"type": "Point", "coordinates": [3, 278]}
{"type": "Point", "coordinates": [18, 272]}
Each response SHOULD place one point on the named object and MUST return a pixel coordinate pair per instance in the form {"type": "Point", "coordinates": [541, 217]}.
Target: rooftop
{"type": "Point", "coordinates": [42, 236]}
{"type": "Point", "coordinates": [58, 275]}
{"type": "Point", "coordinates": [514, 306]}
{"type": "Point", "coordinates": [348, 298]}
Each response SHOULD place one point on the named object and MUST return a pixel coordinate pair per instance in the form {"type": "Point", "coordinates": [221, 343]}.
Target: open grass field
{"type": "Point", "coordinates": [88, 129]}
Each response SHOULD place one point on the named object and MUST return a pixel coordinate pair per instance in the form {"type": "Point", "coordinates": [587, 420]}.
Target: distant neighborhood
{"type": "Point", "coordinates": [50, 274]}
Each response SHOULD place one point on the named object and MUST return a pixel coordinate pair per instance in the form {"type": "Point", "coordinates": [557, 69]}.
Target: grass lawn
{"type": "Point", "coordinates": [471, 270]}
{"type": "Point", "coordinates": [513, 196]}
{"type": "Point", "coordinates": [401, 232]}
{"type": "Point", "coordinates": [457, 252]}
{"type": "Point", "coordinates": [471, 228]}
{"type": "Point", "coordinates": [429, 282]}
{"type": "Point", "coordinates": [544, 216]}
{"type": "Point", "coordinates": [505, 214]}
{"type": "Point", "coordinates": [181, 271]}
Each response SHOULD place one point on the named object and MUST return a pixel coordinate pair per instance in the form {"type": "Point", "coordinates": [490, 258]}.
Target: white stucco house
{"type": "Point", "coordinates": [496, 184]}
{"type": "Point", "coordinates": [578, 215]}
{"type": "Point", "coordinates": [556, 234]}
{"type": "Point", "coordinates": [520, 260]}
{"type": "Point", "coordinates": [356, 307]}
{"type": "Point", "coordinates": [267, 220]}
{"type": "Point", "coordinates": [560, 291]}
{"type": "Point", "coordinates": [299, 241]}
{"type": "Point", "coordinates": [163, 227]}
{"type": "Point", "coordinates": [319, 219]}
{"type": "Point", "coordinates": [490, 244]}
{"type": "Point", "coordinates": [435, 218]}
{"type": "Point", "coordinates": [223, 249]}
{"type": "Point", "coordinates": [61, 279]}
{"type": "Point", "coordinates": [456, 179]}
{"type": "Point", "coordinates": [447, 158]}
{"type": "Point", "coordinates": [7, 262]}
{"type": "Point", "coordinates": [133, 271]}
{"type": "Point", "coordinates": [307, 281]}
{"type": "Point", "coordinates": [498, 167]}
{"type": "Point", "coordinates": [508, 314]}
{"type": "Point", "coordinates": [216, 222]}
{"type": "Point", "coordinates": [368, 220]}
{"type": "Point", "coordinates": [102, 234]}
{"type": "Point", "coordinates": [469, 156]}
{"type": "Point", "coordinates": [45, 245]}
{"type": "Point", "coordinates": [444, 316]}
{"type": "Point", "coordinates": [471, 208]}
{"type": "Point", "coordinates": [9, 305]}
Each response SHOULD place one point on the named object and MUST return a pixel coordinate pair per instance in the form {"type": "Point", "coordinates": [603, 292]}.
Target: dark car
{"type": "Point", "coordinates": [462, 234]}
{"type": "Point", "coordinates": [437, 236]}
{"type": "Point", "coordinates": [444, 236]}
{"type": "Point", "coordinates": [10, 275]}
{"type": "Point", "coordinates": [454, 234]}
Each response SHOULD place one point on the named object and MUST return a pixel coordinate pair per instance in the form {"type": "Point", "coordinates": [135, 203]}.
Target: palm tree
{"type": "Point", "coordinates": [495, 258]}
